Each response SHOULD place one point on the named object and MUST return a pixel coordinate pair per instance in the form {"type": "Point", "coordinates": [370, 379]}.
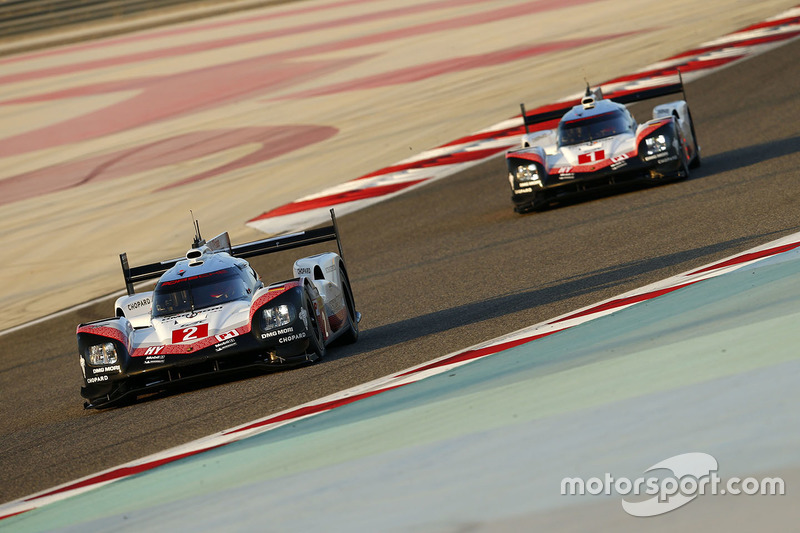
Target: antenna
{"type": "Point", "coordinates": [198, 240]}
{"type": "Point", "coordinates": [524, 118]}
{"type": "Point", "coordinates": [588, 89]}
{"type": "Point", "coordinates": [680, 79]}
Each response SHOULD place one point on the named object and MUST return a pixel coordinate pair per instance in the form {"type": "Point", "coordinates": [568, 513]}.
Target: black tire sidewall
{"type": "Point", "coordinates": [351, 335]}
{"type": "Point", "coordinates": [316, 343]}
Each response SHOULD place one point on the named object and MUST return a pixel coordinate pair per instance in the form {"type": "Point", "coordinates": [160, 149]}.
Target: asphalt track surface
{"type": "Point", "coordinates": [436, 270]}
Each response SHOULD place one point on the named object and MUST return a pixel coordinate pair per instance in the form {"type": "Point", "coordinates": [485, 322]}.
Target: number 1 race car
{"type": "Point", "coordinates": [210, 313]}
{"type": "Point", "coordinates": [598, 145]}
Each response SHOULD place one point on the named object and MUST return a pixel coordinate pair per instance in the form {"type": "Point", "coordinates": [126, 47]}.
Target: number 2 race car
{"type": "Point", "coordinates": [210, 313]}
{"type": "Point", "coordinates": [598, 145]}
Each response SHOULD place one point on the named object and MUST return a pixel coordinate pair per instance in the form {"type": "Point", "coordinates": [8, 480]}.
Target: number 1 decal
{"type": "Point", "coordinates": [191, 333]}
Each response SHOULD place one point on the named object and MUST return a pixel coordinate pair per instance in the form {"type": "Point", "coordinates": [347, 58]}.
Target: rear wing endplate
{"type": "Point", "coordinates": [250, 249]}
{"type": "Point", "coordinates": [625, 97]}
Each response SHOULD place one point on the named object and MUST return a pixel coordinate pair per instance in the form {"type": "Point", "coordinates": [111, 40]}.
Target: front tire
{"type": "Point", "coordinates": [683, 170]}
{"type": "Point", "coordinates": [350, 335]}
{"type": "Point", "coordinates": [696, 161]}
{"type": "Point", "coordinates": [316, 344]}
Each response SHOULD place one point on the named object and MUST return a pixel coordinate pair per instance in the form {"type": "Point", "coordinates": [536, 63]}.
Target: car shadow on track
{"type": "Point", "coordinates": [598, 281]}
{"type": "Point", "coordinates": [749, 155]}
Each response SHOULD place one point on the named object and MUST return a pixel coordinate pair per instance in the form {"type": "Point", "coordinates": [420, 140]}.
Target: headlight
{"type": "Point", "coordinates": [526, 173]}
{"type": "Point", "coordinates": [102, 354]}
{"type": "Point", "coordinates": [275, 317]}
{"type": "Point", "coordinates": [656, 144]}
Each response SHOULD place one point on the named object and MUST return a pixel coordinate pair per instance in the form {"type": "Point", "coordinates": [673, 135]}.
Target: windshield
{"type": "Point", "coordinates": [589, 129]}
{"type": "Point", "coordinates": [196, 292]}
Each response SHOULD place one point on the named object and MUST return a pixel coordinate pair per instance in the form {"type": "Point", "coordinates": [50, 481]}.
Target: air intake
{"type": "Point", "coordinates": [195, 256]}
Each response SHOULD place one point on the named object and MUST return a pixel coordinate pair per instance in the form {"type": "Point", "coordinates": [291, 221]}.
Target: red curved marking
{"type": "Point", "coordinates": [166, 97]}
{"type": "Point", "coordinates": [689, 66]}
{"type": "Point", "coordinates": [470, 355]}
{"type": "Point", "coordinates": [456, 64]}
{"type": "Point", "coordinates": [514, 131]}
{"type": "Point", "coordinates": [336, 199]}
{"type": "Point", "coordinates": [310, 410]}
{"type": "Point", "coordinates": [440, 160]}
{"type": "Point", "coordinates": [754, 41]}
{"type": "Point", "coordinates": [748, 257]}
{"type": "Point", "coordinates": [220, 43]}
{"type": "Point", "coordinates": [622, 302]}
{"type": "Point", "coordinates": [496, 134]}
{"type": "Point", "coordinates": [355, 42]}
{"type": "Point", "coordinates": [274, 140]}
{"type": "Point", "coordinates": [3, 517]}
{"type": "Point", "coordinates": [121, 472]}
{"type": "Point", "coordinates": [454, 23]}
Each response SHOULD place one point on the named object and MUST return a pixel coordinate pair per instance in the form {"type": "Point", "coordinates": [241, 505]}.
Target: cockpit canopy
{"type": "Point", "coordinates": [198, 291]}
{"type": "Point", "coordinates": [594, 127]}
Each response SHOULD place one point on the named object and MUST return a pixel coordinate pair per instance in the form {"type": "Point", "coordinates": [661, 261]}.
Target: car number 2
{"type": "Point", "coordinates": [192, 333]}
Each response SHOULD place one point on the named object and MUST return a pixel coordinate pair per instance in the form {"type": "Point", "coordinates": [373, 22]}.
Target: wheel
{"type": "Point", "coordinates": [351, 333]}
{"type": "Point", "coordinates": [697, 161]}
{"type": "Point", "coordinates": [316, 344]}
{"type": "Point", "coordinates": [683, 172]}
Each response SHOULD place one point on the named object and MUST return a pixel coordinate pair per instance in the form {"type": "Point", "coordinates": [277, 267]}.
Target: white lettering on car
{"type": "Point", "coordinates": [153, 350]}
{"type": "Point", "coordinates": [229, 343]}
{"type": "Point", "coordinates": [114, 368]}
{"type": "Point", "coordinates": [139, 303]}
{"type": "Point", "coordinates": [227, 335]}
{"type": "Point", "coordinates": [277, 332]}
{"type": "Point", "coordinates": [290, 338]}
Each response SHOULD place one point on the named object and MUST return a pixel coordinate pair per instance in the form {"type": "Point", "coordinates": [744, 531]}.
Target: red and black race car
{"type": "Point", "coordinates": [210, 313]}
{"type": "Point", "coordinates": [598, 145]}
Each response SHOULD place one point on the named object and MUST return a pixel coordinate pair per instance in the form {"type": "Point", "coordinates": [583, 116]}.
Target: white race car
{"type": "Point", "coordinates": [598, 145]}
{"type": "Point", "coordinates": [210, 312]}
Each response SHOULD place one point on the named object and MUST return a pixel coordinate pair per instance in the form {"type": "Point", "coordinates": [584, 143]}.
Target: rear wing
{"type": "Point", "coordinates": [623, 97]}
{"type": "Point", "coordinates": [250, 249]}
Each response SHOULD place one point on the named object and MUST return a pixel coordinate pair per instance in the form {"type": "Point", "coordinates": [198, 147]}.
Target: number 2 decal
{"type": "Point", "coordinates": [191, 333]}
